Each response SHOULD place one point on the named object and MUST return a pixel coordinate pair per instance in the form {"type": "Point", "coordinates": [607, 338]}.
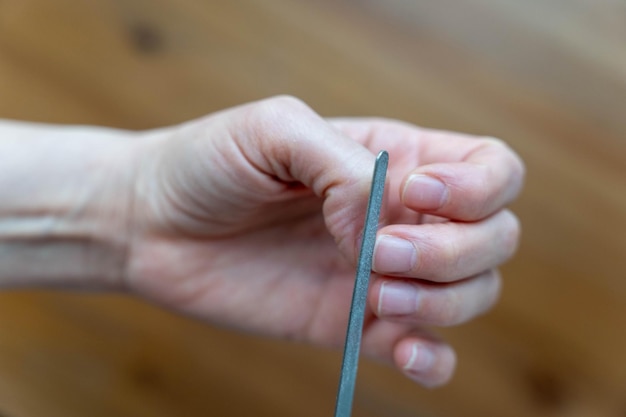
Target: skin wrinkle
{"type": "Point", "coordinates": [454, 256]}
{"type": "Point", "coordinates": [146, 189]}
{"type": "Point", "coordinates": [448, 308]}
{"type": "Point", "coordinates": [275, 122]}
{"type": "Point", "coordinates": [270, 177]}
{"type": "Point", "coordinates": [126, 214]}
{"type": "Point", "coordinates": [481, 145]}
{"type": "Point", "coordinates": [290, 138]}
{"type": "Point", "coordinates": [105, 248]}
{"type": "Point", "coordinates": [259, 186]}
{"type": "Point", "coordinates": [357, 231]}
{"type": "Point", "coordinates": [426, 251]}
{"type": "Point", "coordinates": [170, 196]}
{"type": "Point", "coordinates": [200, 204]}
{"type": "Point", "coordinates": [281, 189]}
{"type": "Point", "coordinates": [348, 227]}
{"type": "Point", "coordinates": [368, 137]}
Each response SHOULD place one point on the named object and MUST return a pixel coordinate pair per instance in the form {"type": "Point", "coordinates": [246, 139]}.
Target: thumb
{"type": "Point", "coordinates": [287, 141]}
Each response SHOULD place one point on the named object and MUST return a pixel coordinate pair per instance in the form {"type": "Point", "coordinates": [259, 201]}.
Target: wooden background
{"type": "Point", "coordinates": [547, 76]}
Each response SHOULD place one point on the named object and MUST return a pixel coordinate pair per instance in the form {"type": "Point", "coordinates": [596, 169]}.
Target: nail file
{"type": "Point", "coordinates": [347, 380]}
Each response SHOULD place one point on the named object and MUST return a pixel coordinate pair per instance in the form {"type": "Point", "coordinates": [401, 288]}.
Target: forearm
{"type": "Point", "coordinates": [64, 196]}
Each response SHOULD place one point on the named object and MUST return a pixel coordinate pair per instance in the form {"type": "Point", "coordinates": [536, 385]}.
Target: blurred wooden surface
{"type": "Point", "coordinates": [547, 76]}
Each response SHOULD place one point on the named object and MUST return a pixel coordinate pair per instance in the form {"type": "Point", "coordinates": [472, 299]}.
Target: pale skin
{"type": "Point", "coordinates": [251, 218]}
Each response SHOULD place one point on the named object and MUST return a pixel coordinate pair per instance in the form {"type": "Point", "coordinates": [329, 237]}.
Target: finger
{"type": "Point", "coordinates": [288, 142]}
{"type": "Point", "coordinates": [488, 178]}
{"type": "Point", "coordinates": [447, 251]}
{"type": "Point", "coordinates": [418, 353]}
{"type": "Point", "coordinates": [423, 303]}
{"type": "Point", "coordinates": [454, 175]}
{"type": "Point", "coordinates": [430, 363]}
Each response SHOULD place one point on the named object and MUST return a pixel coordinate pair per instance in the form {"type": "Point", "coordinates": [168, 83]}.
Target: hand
{"type": "Point", "coordinates": [251, 218]}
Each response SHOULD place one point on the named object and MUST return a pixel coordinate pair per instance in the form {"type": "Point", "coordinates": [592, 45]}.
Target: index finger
{"type": "Point", "coordinates": [448, 174]}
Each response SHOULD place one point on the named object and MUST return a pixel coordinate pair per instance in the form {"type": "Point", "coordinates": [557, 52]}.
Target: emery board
{"type": "Point", "coordinates": [349, 365]}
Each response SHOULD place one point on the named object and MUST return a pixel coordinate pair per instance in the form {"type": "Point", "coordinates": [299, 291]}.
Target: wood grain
{"type": "Point", "coordinates": [548, 77]}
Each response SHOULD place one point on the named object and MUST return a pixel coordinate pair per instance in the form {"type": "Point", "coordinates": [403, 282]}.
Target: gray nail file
{"type": "Point", "coordinates": [347, 380]}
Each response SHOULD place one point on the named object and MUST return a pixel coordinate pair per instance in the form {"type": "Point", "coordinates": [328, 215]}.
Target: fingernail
{"type": "Point", "coordinates": [420, 360]}
{"type": "Point", "coordinates": [393, 255]}
{"type": "Point", "coordinates": [397, 299]}
{"type": "Point", "coordinates": [425, 192]}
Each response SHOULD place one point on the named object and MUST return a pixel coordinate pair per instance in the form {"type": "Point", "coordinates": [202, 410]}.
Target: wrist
{"type": "Point", "coordinates": [65, 195]}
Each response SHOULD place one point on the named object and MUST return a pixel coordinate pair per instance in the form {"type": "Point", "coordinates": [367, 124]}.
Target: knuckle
{"type": "Point", "coordinates": [514, 161]}
{"type": "Point", "coordinates": [282, 107]}
{"type": "Point", "coordinates": [453, 257]}
{"type": "Point", "coordinates": [450, 312]}
{"type": "Point", "coordinates": [438, 257]}
{"type": "Point", "coordinates": [276, 111]}
{"type": "Point", "coordinates": [472, 194]}
{"type": "Point", "coordinates": [493, 141]}
{"type": "Point", "coordinates": [495, 144]}
{"type": "Point", "coordinates": [440, 308]}
{"type": "Point", "coordinates": [288, 101]}
{"type": "Point", "coordinates": [451, 306]}
{"type": "Point", "coordinates": [274, 124]}
{"type": "Point", "coordinates": [280, 120]}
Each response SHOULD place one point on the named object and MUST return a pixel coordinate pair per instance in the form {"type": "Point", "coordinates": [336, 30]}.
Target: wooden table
{"type": "Point", "coordinates": [548, 77]}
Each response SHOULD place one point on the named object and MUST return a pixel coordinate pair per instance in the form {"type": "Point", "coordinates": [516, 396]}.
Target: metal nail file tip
{"type": "Point", "coordinates": [347, 380]}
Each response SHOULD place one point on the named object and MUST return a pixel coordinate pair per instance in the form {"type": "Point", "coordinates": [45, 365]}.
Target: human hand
{"type": "Point", "coordinates": [251, 218]}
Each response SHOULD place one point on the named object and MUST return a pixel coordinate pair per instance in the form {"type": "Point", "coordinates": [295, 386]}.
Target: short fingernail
{"type": "Point", "coordinates": [397, 299]}
{"type": "Point", "coordinates": [393, 255]}
{"type": "Point", "coordinates": [425, 192]}
{"type": "Point", "coordinates": [420, 360]}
